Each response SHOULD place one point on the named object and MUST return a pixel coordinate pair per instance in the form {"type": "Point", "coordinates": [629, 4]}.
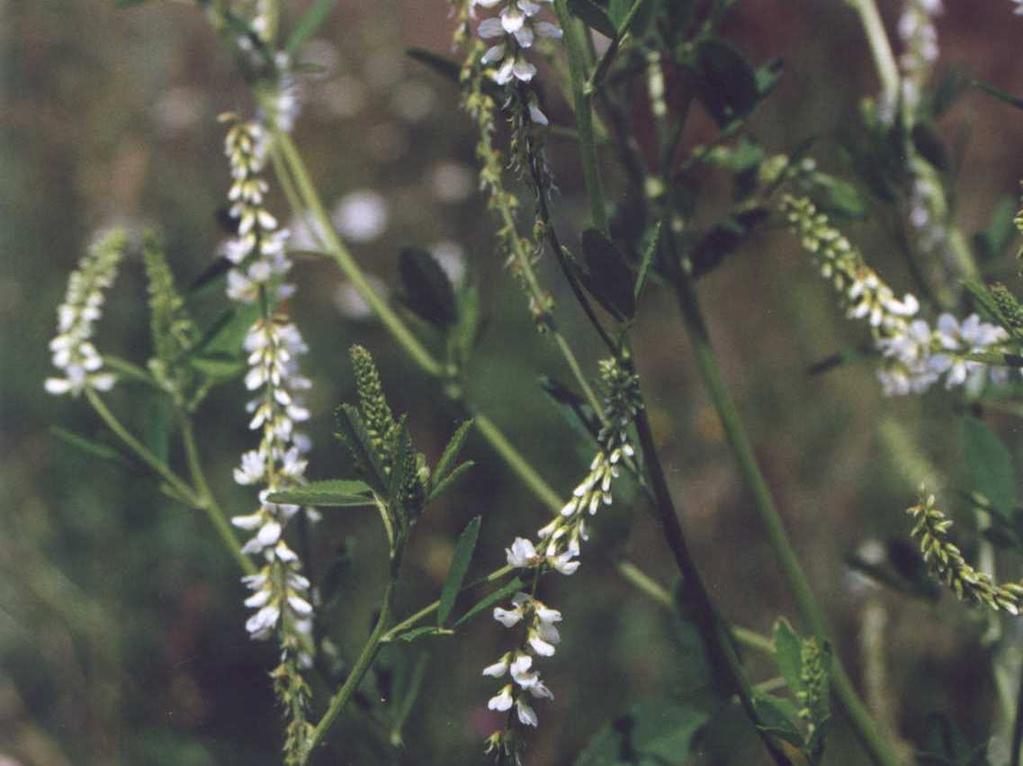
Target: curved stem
{"type": "Point", "coordinates": [880, 48]}
{"type": "Point", "coordinates": [880, 750]}
{"type": "Point", "coordinates": [1016, 754]}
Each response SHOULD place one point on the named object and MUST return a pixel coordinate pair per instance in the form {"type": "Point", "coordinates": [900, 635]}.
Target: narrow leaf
{"type": "Point", "coordinates": [352, 432]}
{"type": "Point", "coordinates": [425, 630]}
{"type": "Point", "coordinates": [459, 566]}
{"type": "Point", "coordinates": [593, 16]}
{"type": "Point", "coordinates": [328, 493]}
{"type": "Point", "coordinates": [311, 21]}
{"type": "Point", "coordinates": [647, 261]}
{"type": "Point", "coordinates": [607, 276]}
{"type": "Point", "coordinates": [451, 451]}
{"type": "Point", "coordinates": [447, 68]}
{"type": "Point", "coordinates": [1001, 95]}
{"type": "Point", "coordinates": [454, 475]}
{"type": "Point", "coordinates": [505, 591]}
{"type": "Point", "coordinates": [90, 447]}
{"type": "Point", "coordinates": [788, 654]}
{"type": "Point", "coordinates": [427, 289]}
{"type": "Point", "coordinates": [727, 83]}
{"type": "Point", "coordinates": [990, 465]}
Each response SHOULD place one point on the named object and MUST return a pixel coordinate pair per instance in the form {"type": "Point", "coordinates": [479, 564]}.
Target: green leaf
{"type": "Point", "coordinates": [352, 432]}
{"type": "Point", "coordinates": [593, 16]}
{"type": "Point", "coordinates": [227, 333]}
{"type": "Point", "coordinates": [159, 426]}
{"type": "Point", "coordinates": [990, 465]}
{"type": "Point", "coordinates": [505, 591]}
{"type": "Point", "coordinates": [311, 20]}
{"type": "Point", "coordinates": [837, 198]}
{"type": "Point", "coordinates": [327, 493]}
{"type": "Point", "coordinates": [1001, 95]}
{"type": "Point", "coordinates": [724, 238]}
{"type": "Point", "coordinates": [992, 242]}
{"type": "Point", "coordinates": [91, 447]}
{"type": "Point", "coordinates": [652, 732]}
{"type": "Point", "coordinates": [218, 368]}
{"type": "Point", "coordinates": [647, 260]}
{"type": "Point", "coordinates": [464, 336]}
{"type": "Point", "coordinates": [788, 654]}
{"type": "Point", "coordinates": [459, 566]}
{"type": "Point", "coordinates": [427, 289]}
{"type": "Point", "coordinates": [451, 451]}
{"type": "Point", "coordinates": [444, 484]}
{"type": "Point", "coordinates": [447, 68]}
{"type": "Point", "coordinates": [780, 717]}
{"type": "Point", "coordinates": [577, 411]}
{"type": "Point", "coordinates": [727, 83]}
{"type": "Point", "coordinates": [607, 276]}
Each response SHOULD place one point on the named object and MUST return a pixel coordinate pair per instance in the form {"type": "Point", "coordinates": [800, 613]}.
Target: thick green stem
{"type": "Point", "coordinates": [880, 751]}
{"type": "Point", "coordinates": [880, 49]}
{"type": "Point", "coordinates": [575, 44]}
{"type": "Point", "coordinates": [359, 670]}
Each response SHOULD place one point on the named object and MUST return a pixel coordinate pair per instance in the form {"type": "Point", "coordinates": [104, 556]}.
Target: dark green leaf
{"type": "Point", "coordinates": [459, 566]}
{"type": "Point", "coordinates": [607, 275]}
{"type": "Point", "coordinates": [728, 85]}
{"type": "Point", "coordinates": [225, 336]}
{"type": "Point", "coordinates": [505, 591]}
{"type": "Point", "coordinates": [948, 90]}
{"type": "Point", "coordinates": [311, 21]}
{"type": "Point", "coordinates": [768, 75]}
{"type": "Point", "coordinates": [577, 411]}
{"type": "Point", "coordinates": [427, 289]}
{"type": "Point", "coordinates": [837, 198]}
{"type": "Point", "coordinates": [652, 732]}
{"type": "Point", "coordinates": [992, 242]}
{"type": "Point", "coordinates": [90, 447]}
{"type": "Point", "coordinates": [447, 68]}
{"type": "Point", "coordinates": [327, 493]}
{"type": "Point", "coordinates": [989, 465]}
{"type": "Point", "coordinates": [723, 239]}
{"type": "Point", "coordinates": [452, 450]}
{"type": "Point", "coordinates": [352, 432]}
{"type": "Point", "coordinates": [593, 16]}
{"type": "Point", "coordinates": [788, 654]}
{"type": "Point", "coordinates": [442, 486]}
{"type": "Point", "coordinates": [780, 717]}
{"type": "Point", "coordinates": [1001, 95]}
{"type": "Point", "coordinates": [647, 260]}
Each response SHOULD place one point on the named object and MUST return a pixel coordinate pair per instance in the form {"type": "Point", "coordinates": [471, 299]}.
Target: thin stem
{"type": "Point", "coordinates": [575, 43]}
{"type": "Point", "coordinates": [880, 750]}
{"type": "Point", "coordinates": [209, 503]}
{"type": "Point", "coordinates": [881, 49]}
{"type": "Point", "coordinates": [144, 454]}
{"type": "Point", "coordinates": [359, 670]}
{"type": "Point", "coordinates": [712, 626]}
{"type": "Point", "coordinates": [339, 253]}
{"type": "Point", "coordinates": [1016, 754]}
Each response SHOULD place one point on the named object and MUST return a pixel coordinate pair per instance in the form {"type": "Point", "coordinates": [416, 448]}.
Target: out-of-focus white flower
{"type": "Point", "coordinates": [452, 182]}
{"type": "Point", "coordinates": [450, 256]}
{"type": "Point", "coordinates": [74, 352]}
{"type": "Point", "coordinates": [361, 216]}
{"type": "Point", "coordinates": [344, 96]}
{"type": "Point", "coordinates": [349, 300]}
{"type": "Point", "coordinates": [413, 101]}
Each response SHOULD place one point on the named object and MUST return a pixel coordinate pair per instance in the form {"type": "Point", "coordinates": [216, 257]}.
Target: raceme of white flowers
{"type": "Point", "coordinates": [74, 352]}
{"type": "Point", "coordinates": [515, 29]}
{"type": "Point", "coordinates": [916, 355]}
{"type": "Point", "coordinates": [557, 548]}
{"type": "Point", "coordinates": [920, 47]}
{"type": "Point", "coordinates": [280, 593]}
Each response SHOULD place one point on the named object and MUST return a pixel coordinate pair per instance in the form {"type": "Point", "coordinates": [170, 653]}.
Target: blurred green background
{"type": "Point", "coordinates": [121, 624]}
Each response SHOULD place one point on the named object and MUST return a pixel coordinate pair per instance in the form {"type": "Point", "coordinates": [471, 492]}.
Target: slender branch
{"type": "Point", "coordinates": [575, 42]}
{"type": "Point", "coordinates": [179, 485]}
{"type": "Point", "coordinates": [1016, 754]}
{"type": "Point", "coordinates": [359, 670]}
{"type": "Point", "coordinates": [209, 503]}
{"type": "Point", "coordinates": [880, 750]}
{"type": "Point", "coordinates": [712, 626]}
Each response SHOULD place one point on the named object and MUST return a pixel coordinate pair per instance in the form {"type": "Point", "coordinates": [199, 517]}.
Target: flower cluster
{"type": "Point", "coordinates": [273, 345]}
{"type": "Point", "coordinates": [949, 566]}
{"type": "Point", "coordinates": [74, 353]}
{"type": "Point", "coordinates": [915, 355]}
{"type": "Point", "coordinates": [514, 29]}
{"type": "Point", "coordinates": [558, 548]}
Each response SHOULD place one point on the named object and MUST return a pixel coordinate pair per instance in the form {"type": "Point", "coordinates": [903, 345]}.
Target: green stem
{"type": "Point", "coordinates": [141, 451]}
{"type": "Point", "coordinates": [339, 253]}
{"type": "Point", "coordinates": [880, 49]}
{"type": "Point", "coordinates": [712, 626]}
{"type": "Point", "coordinates": [880, 750]}
{"type": "Point", "coordinates": [209, 503]}
{"type": "Point", "coordinates": [517, 462]}
{"type": "Point", "coordinates": [359, 670]}
{"type": "Point", "coordinates": [1016, 754]}
{"type": "Point", "coordinates": [575, 43]}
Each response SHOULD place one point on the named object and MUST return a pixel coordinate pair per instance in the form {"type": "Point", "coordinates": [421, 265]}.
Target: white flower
{"type": "Point", "coordinates": [526, 714]}
{"type": "Point", "coordinates": [522, 554]}
{"type": "Point", "coordinates": [502, 700]}
{"type": "Point", "coordinates": [497, 669]}
{"type": "Point", "coordinates": [514, 29]}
